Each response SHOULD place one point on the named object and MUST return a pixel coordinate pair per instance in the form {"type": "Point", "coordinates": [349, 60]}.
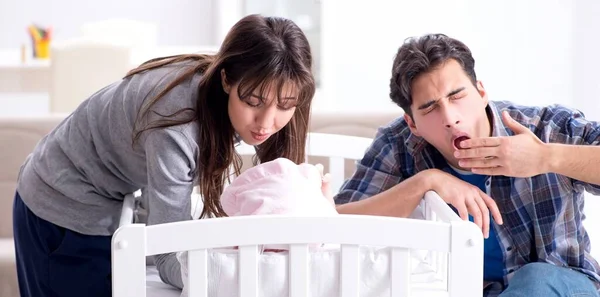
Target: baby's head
{"type": "Point", "coordinates": [277, 187]}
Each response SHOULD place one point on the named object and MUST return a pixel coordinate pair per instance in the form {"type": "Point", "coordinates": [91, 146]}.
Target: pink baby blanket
{"type": "Point", "coordinates": [277, 187]}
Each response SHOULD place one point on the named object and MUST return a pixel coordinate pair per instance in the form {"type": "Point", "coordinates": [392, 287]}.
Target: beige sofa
{"type": "Point", "coordinates": [18, 136]}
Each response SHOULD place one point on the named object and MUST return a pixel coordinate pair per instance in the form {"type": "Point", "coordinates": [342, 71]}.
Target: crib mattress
{"type": "Point", "coordinates": [324, 274]}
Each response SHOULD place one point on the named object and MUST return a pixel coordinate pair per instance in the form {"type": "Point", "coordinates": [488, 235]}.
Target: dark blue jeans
{"type": "Point", "coordinates": [56, 262]}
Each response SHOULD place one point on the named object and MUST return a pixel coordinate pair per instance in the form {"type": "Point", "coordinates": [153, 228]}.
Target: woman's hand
{"type": "Point", "coordinates": [326, 184]}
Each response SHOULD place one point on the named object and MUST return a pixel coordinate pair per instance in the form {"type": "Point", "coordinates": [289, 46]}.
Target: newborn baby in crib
{"type": "Point", "coordinates": [278, 187]}
{"type": "Point", "coordinates": [281, 187]}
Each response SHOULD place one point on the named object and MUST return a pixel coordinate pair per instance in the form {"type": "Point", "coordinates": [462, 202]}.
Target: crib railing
{"type": "Point", "coordinates": [437, 210]}
{"type": "Point", "coordinates": [461, 241]}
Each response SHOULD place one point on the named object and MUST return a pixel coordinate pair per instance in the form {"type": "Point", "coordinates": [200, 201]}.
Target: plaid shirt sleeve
{"type": "Point", "coordinates": [376, 172]}
{"type": "Point", "coordinates": [575, 129]}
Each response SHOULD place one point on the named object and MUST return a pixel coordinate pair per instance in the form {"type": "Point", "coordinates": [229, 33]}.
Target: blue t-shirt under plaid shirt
{"type": "Point", "coordinates": [493, 262]}
{"type": "Point", "coordinates": [542, 214]}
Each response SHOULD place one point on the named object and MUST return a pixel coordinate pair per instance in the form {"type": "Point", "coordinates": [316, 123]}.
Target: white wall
{"type": "Point", "coordinates": [180, 22]}
{"type": "Point", "coordinates": [586, 91]}
{"type": "Point", "coordinates": [305, 13]}
{"type": "Point", "coordinates": [531, 52]}
{"type": "Point", "coordinates": [525, 51]}
{"type": "Point", "coordinates": [586, 63]}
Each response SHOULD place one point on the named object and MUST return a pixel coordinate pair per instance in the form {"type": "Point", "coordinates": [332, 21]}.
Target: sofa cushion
{"type": "Point", "coordinates": [18, 137]}
{"type": "Point", "coordinates": [8, 270]}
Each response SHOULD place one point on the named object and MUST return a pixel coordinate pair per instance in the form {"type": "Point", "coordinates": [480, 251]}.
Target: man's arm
{"type": "Point", "coordinates": [580, 162]}
{"type": "Point", "coordinates": [572, 150]}
{"type": "Point", "coordinates": [378, 178]}
{"type": "Point", "coordinates": [578, 155]}
{"type": "Point", "coordinates": [378, 187]}
{"type": "Point", "coordinates": [399, 201]}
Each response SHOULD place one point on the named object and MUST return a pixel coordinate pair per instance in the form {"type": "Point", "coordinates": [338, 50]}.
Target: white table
{"type": "Point", "coordinates": [16, 76]}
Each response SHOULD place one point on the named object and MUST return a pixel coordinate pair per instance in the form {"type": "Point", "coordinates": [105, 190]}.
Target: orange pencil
{"type": "Point", "coordinates": [35, 34]}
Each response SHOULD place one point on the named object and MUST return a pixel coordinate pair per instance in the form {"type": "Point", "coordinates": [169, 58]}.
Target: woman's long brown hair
{"type": "Point", "coordinates": [256, 53]}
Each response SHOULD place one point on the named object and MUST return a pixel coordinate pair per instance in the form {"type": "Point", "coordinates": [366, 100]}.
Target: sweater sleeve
{"type": "Point", "coordinates": [170, 161]}
{"type": "Point", "coordinates": [169, 269]}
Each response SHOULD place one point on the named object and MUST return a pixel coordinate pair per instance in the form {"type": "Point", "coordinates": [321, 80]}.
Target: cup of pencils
{"type": "Point", "coordinates": [40, 39]}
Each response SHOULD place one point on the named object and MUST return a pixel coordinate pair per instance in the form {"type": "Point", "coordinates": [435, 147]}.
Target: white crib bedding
{"type": "Point", "coordinates": [324, 274]}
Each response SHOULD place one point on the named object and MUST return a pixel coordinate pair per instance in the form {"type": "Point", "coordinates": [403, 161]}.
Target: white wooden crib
{"type": "Point", "coordinates": [454, 247]}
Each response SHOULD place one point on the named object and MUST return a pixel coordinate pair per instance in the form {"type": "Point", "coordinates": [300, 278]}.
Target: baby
{"type": "Point", "coordinates": [279, 187]}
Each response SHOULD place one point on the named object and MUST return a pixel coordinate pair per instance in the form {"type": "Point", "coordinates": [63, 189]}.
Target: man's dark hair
{"type": "Point", "coordinates": [419, 55]}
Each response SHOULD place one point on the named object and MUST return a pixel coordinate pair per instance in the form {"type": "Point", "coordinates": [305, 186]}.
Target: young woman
{"type": "Point", "coordinates": [170, 124]}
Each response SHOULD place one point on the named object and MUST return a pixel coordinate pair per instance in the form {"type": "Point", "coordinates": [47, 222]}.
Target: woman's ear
{"type": "Point", "coordinates": [226, 86]}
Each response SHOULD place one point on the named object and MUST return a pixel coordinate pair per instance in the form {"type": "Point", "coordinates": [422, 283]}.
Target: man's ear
{"type": "Point", "coordinates": [411, 124]}
{"type": "Point", "coordinates": [226, 86]}
{"type": "Point", "coordinates": [482, 92]}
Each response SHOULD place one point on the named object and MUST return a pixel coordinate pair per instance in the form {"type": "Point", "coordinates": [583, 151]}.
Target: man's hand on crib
{"type": "Point", "coordinates": [467, 199]}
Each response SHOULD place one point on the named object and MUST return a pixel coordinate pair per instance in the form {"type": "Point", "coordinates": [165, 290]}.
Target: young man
{"type": "Point", "coordinates": [519, 171]}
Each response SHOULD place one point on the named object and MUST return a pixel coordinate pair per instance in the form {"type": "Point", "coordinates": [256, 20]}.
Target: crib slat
{"type": "Point", "coordinates": [442, 268]}
{"type": "Point", "coordinates": [248, 271]}
{"type": "Point", "coordinates": [336, 169]}
{"type": "Point", "coordinates": [198, 273]}
{"type": "Point", "coordinates": [400, 272]}
{"type": "Point", "coordinates": [299, 257]}
{"type": "Point", "coordinates": [439, 262]}
{"type": "Point", "coordinates": [350, 271]}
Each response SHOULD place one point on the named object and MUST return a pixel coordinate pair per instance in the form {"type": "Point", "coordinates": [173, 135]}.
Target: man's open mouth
{"type": "Point", "coordinates": [458, 140]}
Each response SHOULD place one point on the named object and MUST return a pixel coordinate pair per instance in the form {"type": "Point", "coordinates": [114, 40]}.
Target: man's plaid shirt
{"type": "Point", "coordinates": [542, 214]}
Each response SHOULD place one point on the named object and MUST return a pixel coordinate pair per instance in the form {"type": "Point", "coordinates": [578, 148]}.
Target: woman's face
{"type": "Point", "coordinates": [258, 116]}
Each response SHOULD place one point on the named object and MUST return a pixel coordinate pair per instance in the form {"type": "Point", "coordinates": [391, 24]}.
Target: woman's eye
{"type": "Point", "coordinates": [254, 102]}
{"type": "Point", "coordinates": [285, 107]}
